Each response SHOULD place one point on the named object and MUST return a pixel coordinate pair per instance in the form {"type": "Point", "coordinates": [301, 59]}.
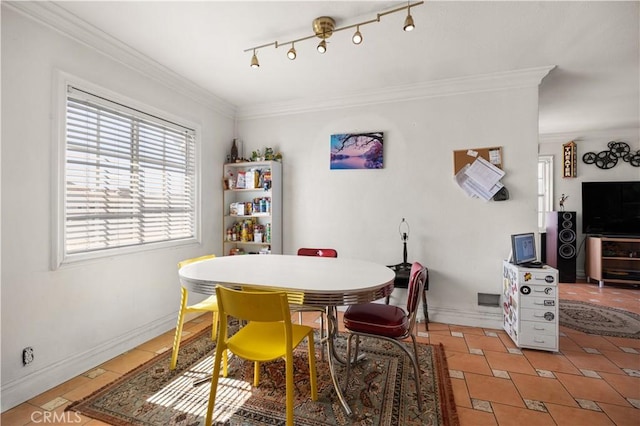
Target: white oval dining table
{"type": "Point", "coordinates": [315, 281]}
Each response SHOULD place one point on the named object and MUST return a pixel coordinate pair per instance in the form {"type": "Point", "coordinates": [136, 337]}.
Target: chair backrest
{"type": "Point", "coordinates": [321, 252]}
{"type": "Point", "coordinates": [250, 305]}
{"type": "Point", "coordinates": [195, 259]}
{"type": "Point", "coordinates": [256, 306]}
{"type": "Point", "coordinates": [417, 278]}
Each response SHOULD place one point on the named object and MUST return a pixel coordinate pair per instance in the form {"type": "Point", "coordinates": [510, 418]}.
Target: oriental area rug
{"type": "Point", "coordinates": [597, 319]}
{"type": "Point", "coordinates": [381, 390]}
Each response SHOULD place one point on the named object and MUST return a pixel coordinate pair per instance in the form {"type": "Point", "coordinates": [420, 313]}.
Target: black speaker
{"type": "Point", "coordinates": [561, 244]}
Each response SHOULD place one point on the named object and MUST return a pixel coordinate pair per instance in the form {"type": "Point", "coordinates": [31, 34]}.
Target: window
{"type": "Point", "coordinates": [129, 179]}
{"type": "Point", "coordinates": [545, 189]}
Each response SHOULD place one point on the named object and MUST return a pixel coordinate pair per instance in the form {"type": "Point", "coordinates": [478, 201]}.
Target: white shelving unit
{"type": "Point", "coordinates": [253, 206]}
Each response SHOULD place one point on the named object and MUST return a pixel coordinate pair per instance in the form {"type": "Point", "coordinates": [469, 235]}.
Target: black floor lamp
{"type": "Point", "coordinates": [403, 270]}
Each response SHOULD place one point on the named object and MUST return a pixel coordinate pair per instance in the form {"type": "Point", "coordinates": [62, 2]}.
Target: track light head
{"type": "Point", "coordinates": [322, 47]}
{"type": "Point", "coordinates": [357, 36]}
{"type": "Point", "coordinates": [254, 61]}
{"type": "Point", "coordinates": [408, 23]}
{"type": "Point", "coordinates": [291, 54]}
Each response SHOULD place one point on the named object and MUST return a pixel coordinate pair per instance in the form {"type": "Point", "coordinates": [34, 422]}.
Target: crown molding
{"type": "Point", "coordinates": [59, 19]}
{"type": "Point", "coordinates": [625, 133]}
{"type": "Point", "coordinates": [530, 77]}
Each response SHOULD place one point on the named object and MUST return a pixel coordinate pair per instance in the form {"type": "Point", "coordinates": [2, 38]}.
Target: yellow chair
{"type": "Point", "coordinates": [268, 335]}
{"type": "Point", "coordinates": [210, 304]}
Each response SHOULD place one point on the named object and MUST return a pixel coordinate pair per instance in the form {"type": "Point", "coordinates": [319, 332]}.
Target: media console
{"type": "Point", "coordinates": [613, 259]}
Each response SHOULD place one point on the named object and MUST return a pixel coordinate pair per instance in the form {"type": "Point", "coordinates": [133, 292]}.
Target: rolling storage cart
{"type": "Point", "coordinates": [530, 306]}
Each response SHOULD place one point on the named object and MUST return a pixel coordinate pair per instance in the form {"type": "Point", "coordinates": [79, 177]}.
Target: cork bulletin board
{"type": "Point", "coordinates": [467, 156]}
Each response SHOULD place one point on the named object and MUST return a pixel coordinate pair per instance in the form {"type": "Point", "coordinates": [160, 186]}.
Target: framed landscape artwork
{"type": "Point", "coordinates": [357, 151]}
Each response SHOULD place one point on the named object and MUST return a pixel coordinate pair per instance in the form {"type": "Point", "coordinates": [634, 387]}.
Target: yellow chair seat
{"type": "Point", "coordinates": [263, 341]}
{"type": "Point", "coordinates": [210, 304]}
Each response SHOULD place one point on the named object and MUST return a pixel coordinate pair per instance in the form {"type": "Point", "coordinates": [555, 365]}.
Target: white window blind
{"type": "Point", "coordinates": [129, 177]}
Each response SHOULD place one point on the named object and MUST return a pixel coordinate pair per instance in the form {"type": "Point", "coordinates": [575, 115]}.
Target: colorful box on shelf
{"type": "Point", "coordinates": [251, 179]}
{"type": "Point", "coordinates": [237, 209]}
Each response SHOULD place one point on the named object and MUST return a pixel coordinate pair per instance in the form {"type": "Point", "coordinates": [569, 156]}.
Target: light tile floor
{"type": "Point", "coordinates": [593, 380]}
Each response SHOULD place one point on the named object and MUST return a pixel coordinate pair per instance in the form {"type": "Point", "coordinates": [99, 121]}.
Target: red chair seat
{"type": "Point", "coordinates": [375, 318]}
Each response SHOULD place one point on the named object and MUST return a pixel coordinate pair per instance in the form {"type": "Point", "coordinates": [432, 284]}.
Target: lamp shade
{"type": "Point", "coordinates": [357, 37]}
{"type": "Point", "coordinates": [322, 47]}
{"type": "Point", "coordinates": [408, 23]}
{"type": "Point", "coordinates": [254, 61]}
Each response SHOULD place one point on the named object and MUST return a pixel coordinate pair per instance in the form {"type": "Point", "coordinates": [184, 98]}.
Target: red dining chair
{"type": "Point", "coordinates": [320, 252]}
{"type": "Point", "coordinates": [388, 322]}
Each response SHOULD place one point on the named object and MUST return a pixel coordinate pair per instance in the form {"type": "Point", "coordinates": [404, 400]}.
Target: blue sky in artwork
{"type": "Point", "coordinates": [336, 141]}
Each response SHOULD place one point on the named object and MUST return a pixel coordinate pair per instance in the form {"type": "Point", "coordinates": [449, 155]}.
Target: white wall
{"type": "Point", "coordinates": [79, 316]}
{"type": "Point", "coordinates": [594, 141]}
{"type": "Point", "coordinates": [461, 240]}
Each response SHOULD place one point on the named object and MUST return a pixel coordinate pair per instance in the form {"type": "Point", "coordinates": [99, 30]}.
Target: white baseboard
{"type": "Point", "coordinates": [26, 387]}
{"type": "Point", "coordinates": [488, 318]}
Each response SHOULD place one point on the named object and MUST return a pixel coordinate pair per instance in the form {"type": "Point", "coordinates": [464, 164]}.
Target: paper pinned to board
{"type": "Point", "coordinates": [484, 173]}
{"type": "Point", "coordinates": [481, 179]}
{"type": "Point", "coordinates": [495, 157]}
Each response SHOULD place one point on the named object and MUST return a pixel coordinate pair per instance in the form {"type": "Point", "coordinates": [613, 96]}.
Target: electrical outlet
{"type": "Point", "coordinates": [27, 355]}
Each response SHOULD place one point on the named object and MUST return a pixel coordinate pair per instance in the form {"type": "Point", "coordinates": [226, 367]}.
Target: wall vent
{"type": "Point", "coordinates": [486, 299]}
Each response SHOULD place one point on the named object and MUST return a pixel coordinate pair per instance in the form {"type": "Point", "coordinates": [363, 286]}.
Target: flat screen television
{"type": "Point", "coordinates": [611, 208]}
{"type": "Point", "coordinates": [523, 249]}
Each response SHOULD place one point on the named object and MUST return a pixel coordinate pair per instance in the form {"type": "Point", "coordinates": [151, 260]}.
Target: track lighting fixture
{"type": "Point", "coordinates": [325, 26]}
{"type": "Point", "coordinates": [357, 37]}
{"type": "Point", "coordinates": [322, 46]}
{"type": "Point", "coordinates": [291, 54]}
{"type": "Point", "coordinates": [408, 22]}
{"type": "Point", "coordinates": [254, 60]}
